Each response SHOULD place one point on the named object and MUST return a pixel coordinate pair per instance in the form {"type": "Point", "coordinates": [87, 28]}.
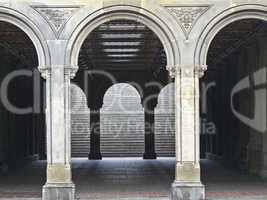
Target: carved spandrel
{"type": "Point", "coordinates": [56, 16]}
{"type": "Point", "coordinates": [187, 16]}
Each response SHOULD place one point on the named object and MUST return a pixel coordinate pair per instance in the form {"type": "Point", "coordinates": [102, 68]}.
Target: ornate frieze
{"type": "Point", "coordinates": [187, 16]}
{"type": "Point", "coordinates": [56, 16]}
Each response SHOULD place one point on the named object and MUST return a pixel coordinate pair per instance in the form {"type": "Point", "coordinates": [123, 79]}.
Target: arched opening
{"type": "Point", "coordinates": [165, 122]}
{"type": "Point", "coordinates": [22, 135]}
{"type": "Point", "coordinates": [122, 122]}
{"type": "Point", "coordinates": [122, 69]}
{"type": "Point", "coordinates": [234, 108]}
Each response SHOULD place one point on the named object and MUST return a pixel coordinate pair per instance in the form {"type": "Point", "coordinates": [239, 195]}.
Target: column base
{"type": "Point", "coordinates": [59, 192]}
{"type": "Point", "coordinates": [187, 191]}
{"type": "Point", "coordinates": [95, 156]}
{"type": "Point", "coordinates": [150, 156]}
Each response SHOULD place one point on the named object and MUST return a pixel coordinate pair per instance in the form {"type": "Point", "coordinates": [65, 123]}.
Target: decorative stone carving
{"type": "Point", "coordinates": [68, 71]}
{"type": "Point", "coordinates": [187, 16]}
{"type": "Point", "coordinates": [45, 71]}
{"type": "Point", "coordinates": [71, 71]}
{"type": "Point", "coordinates": [56, 16]}
{"type": "Point", "coordinates": [174, 70]}
{"type": "Point", "coordinates": [200, 70]}
{"type": "Point", "coordinates": [187, 71]}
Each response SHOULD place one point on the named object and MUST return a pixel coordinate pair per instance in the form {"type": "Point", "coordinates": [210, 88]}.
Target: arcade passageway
{"type": "Point", "coordinates": [128, 115]}
{"type": "Point", "coordinates": [122, 71]}
{"type": "Point", "coordinates": [234, 97]}
{"type": "Point", "coordinates": [22, 135]}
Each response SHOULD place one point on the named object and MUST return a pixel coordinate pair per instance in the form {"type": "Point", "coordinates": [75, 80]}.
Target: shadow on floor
{"type": "Point", "coordinates": [133, 179]}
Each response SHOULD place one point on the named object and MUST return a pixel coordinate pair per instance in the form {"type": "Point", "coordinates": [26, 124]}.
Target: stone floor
{"type": "Point", "coordinates": [132, 179]}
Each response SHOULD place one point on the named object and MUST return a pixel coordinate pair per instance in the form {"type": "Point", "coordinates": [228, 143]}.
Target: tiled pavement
{"type": "Point", "coordinates": [132, 179]}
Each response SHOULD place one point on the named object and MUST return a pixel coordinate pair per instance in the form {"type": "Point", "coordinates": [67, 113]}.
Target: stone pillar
{"type": "Point", "coordinates": [187, 184]}
{"type": "Point", "coordinates": [150, 133]}
{"type": "Point", "coordinates": [95, 153]}
{"type": "Point", "coordinates": [59, 184]}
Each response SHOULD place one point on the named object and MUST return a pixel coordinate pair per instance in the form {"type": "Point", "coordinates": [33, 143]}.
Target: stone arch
{"type": "Point", "coordinates": [21, 21]}
{"type": "Point", "coordinates": [26, 108]}
{"type": "Point", "coordinates": [103, 89]}
{"type": "Point", "coordinates": [231, 15]}
{"type": "Point", "coordinates": [119, 91]}
{"type": "Point", "coordinates": [153, 21]}
{"type": "Point", "coordinates": [122, 122]}
{"type": "Point", "coordinates": [232, 73]}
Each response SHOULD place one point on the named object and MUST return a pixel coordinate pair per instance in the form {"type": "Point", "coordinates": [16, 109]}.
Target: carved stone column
{"type": "Point", "coordinates": [187, 184]}
{"type": "Point", "coordinates": [59, 181]}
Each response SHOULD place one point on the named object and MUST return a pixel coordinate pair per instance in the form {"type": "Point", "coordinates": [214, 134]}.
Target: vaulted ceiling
{"type": "Point", "coordinates": [233, 37]}
{"type": "Point", "coordinates": [122, 45]}
{"type": "Point", "coordinates": [16, 44]}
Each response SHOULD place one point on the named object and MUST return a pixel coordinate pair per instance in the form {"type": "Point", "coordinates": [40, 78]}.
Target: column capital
{"type": "Point", "coordinates": [187, 70]}
{"type": "Point", "coordinates": [200, 70]}
{"type": "Point", "coordinates": [193, 70]}
{"type": "Point", "coordinates": [68, 70]}
{"type": "Point", "coordinates": [45, 71]}
{"type": "Point", "coordinates": [71, 71]}
{"type": "Point", "coordinates": [174, 70]}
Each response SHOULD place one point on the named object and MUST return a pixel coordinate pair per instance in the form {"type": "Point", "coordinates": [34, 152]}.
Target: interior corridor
{"type": "Point", "coordinates": [134, 178]}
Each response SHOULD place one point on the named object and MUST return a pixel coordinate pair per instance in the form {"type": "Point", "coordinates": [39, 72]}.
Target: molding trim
{"type": "Point", "coordinates": [56, 16]}
{"type": "Point", "coordinates": [186, 15]}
